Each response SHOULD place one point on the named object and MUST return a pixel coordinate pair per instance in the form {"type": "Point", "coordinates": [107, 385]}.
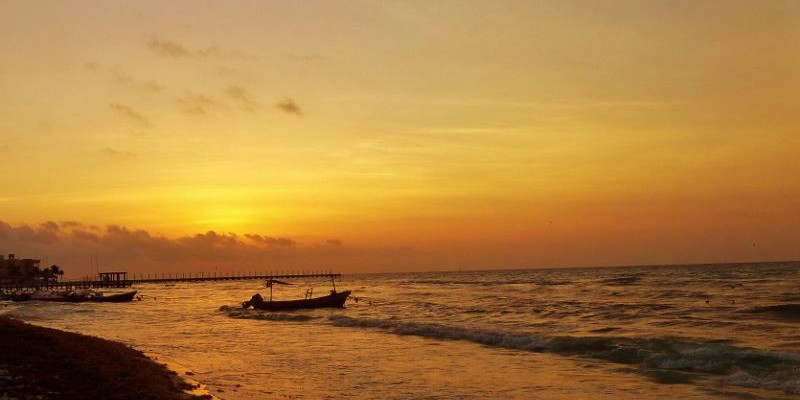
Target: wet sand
{"type": "Point", "coordinates": [43, 363]}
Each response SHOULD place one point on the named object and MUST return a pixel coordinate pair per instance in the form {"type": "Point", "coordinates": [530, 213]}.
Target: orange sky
{"type": "Point", "coordinates": [401, 135]}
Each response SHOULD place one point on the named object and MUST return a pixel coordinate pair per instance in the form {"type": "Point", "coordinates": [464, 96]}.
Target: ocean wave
{"type": "Point", "coordinates": [445, 282]}
{"type": "Point", "coordinates": [773, 369]}
{"type": "Point", "coordinates": [622, 280]}
{"type": "Point", "coordinates": [780, 311]}
{"type": "Point", "coordinates": [240, 313]}
{"type": "Point", "coordinates": [788, 384]}
{"type": "Point", "coordinates": [677, 294]}
{"type": "Point", "coordinates": [605, 330]}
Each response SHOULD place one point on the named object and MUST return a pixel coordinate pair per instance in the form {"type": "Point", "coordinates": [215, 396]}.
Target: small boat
{"type": "Point", "coordinates": [114, 298]}
{"type": "Point", "coordinates": [60, 296]}
{"type": "Point", "coordinates": [333, 300]}
{"type": "Point", "coordinates": [73, 297]}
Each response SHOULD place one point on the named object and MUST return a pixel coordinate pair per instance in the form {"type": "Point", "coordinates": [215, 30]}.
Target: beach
{"type": "Point", "coordinates": [44, 363]}
{"type": "Point", "coordinates": [690, 332]}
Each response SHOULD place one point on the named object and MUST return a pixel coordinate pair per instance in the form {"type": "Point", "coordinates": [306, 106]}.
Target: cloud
{"type": "Point", "coordinates": [117, 230]}
{"type": "Point", "coordinates": [68, 244]}
{"type": "Point", "coordinates": [23, 233]}
{"type": "Point", "coordinates": [169, 49]}
{"type": "Point", "coordinates": [122, 78]}
{"type": "Point", "coordinates": [197, 103]}
{"type": "Point", "coordinates": [173, 49]}
{"type": "Point", "coordinates": [84, 235]}
{"type": "Point", "coordinates": [50, 226]}
{"type": "Point", "coordinates": [334, 242]}
{"type": "Point", "coordinates": [290, 106]}
{"type": "Point", "coordinates": [203, 104]}
{"type": "Point", "coordinates": [149, 85]}
{"type": "Point", "coordinates": [215, 51]}
{"type": "Point", "coordinates": [280, 241]}
{"type": "Point", "coordinates": [152, 86]}
{"type": "Point", "coordinates": [239, 93]}
{"type": "Point", "coordinates": [130, 113]}
{"type": "Point", "coordinates": [77, 225]}
{"type": "Point", "coordinates": [270, 240]}
{"type": "Point", "coordinates": [212, 239]}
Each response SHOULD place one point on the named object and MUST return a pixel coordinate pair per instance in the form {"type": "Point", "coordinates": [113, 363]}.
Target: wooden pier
{"type": "Point", "coordinates": [121, 281]}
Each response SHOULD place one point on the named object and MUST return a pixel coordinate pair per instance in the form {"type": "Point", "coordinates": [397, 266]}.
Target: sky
{"type": "Point", "coordinates": [398, 135]}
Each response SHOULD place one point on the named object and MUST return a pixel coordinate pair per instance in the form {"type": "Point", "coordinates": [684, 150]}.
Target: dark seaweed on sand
{"type": "Point", "coordinates": [61, 365]}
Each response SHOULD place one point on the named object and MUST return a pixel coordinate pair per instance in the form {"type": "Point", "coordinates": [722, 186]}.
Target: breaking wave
{"type": "Point", "coordinates": [622, 281]}
{"type": "Point", "coordinates": [240, 313]}
{"type": "Point", "coordinates": [447, 282]}
{"type": "Point", "coordinates": [743, 366]}
{"type": "Point", "coordinates": [780, 311]}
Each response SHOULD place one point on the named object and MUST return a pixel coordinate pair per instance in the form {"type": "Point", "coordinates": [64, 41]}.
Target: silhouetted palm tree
{"type": "Point", "coordinates": [52, 273]}
{"type": "Point", "coordinates": [56, 270]}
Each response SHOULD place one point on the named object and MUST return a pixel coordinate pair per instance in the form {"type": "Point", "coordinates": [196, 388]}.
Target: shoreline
{"type": "Point", "coordinates": [44, 363]}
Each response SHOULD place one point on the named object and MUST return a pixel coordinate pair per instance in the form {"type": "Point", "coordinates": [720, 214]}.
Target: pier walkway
{"type": "Point", "coordinates": [164, 278]}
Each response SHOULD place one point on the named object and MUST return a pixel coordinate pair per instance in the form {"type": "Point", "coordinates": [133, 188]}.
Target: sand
{"type": "Point", "coordinates": [43, 363]}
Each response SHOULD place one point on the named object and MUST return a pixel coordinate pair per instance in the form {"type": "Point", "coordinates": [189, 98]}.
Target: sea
{"type": "Point", "coordinates": [726, 331]}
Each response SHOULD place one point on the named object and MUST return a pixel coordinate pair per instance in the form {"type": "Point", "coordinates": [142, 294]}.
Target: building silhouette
{"type": "Point", "coordinates": [14, 269]}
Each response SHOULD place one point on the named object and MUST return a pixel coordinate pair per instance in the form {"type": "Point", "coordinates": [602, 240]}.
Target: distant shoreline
{"type": "Point", "coordinates": [44, 363]}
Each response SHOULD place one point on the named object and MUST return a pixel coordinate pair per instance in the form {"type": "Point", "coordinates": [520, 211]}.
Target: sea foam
{"type": "Point", "coordinates": [743, 366]}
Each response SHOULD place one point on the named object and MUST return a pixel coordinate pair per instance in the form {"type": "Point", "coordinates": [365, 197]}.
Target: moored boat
{"type": "Point", "coordinates": [114, 298]}
{"type": "Point", "coordinates": [75, 297]}
{"type": "Point", "coordinates": [333, 300]}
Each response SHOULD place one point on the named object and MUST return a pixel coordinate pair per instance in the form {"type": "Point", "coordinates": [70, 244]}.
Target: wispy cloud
{"type": "Point", "coordinates": [242, 96]}
{"type": "Point", "coordinates": [238, 92]}
{"type": "Point", "coordinates": [123, 78]}
{"type": "Point", "coordinates": [197, 103]}
{"type": "Point", "coordinates": [289, 106]}
{"type": "Point", "coordinates": [131, 113]}
{"type": "Point", "coordinates": [170, 49]}
{"type": "Point", "coordinates": [152, 85]}
{"type": "Point", "coordinates": [173, 49]}
{"type": "Point", "coordinates": [215, 51]}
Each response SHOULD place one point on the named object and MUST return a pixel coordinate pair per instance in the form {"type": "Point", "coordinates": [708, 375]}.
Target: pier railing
{"type": "Point", "coordinates": [164, 278]}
